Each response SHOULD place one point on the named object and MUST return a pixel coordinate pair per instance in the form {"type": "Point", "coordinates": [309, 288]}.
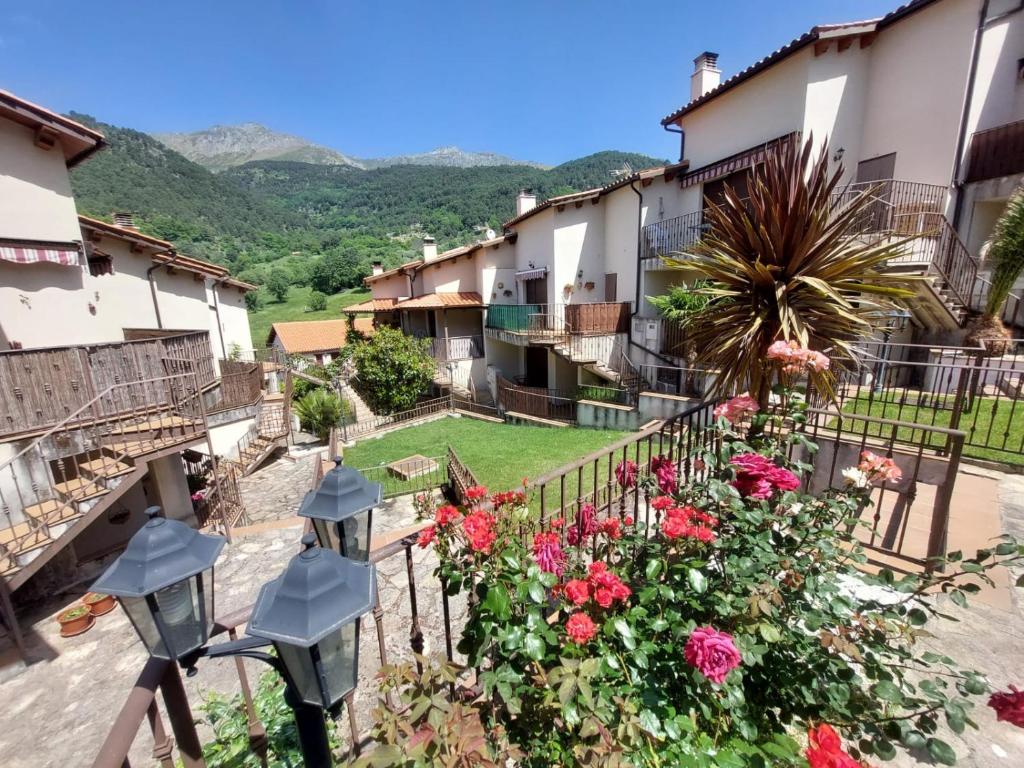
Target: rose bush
{"type": "Point", "coordinates": [727, 625]}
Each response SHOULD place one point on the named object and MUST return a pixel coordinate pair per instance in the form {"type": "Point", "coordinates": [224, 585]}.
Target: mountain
{"type": "Point", "coordinates": [449, 157]}
{"type": "Point", "coordinates": [225, 146]}
{"type": "Point", "coordinates": [228, 146]}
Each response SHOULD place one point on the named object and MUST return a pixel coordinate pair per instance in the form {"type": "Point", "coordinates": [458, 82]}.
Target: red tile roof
{"type": "Point", "coordinates": [77, 141]}
{"type": "Point", "coordinates": [372, 305]}
{"type": "Point", "coordinates": [443, 301]}
{"type": "Point", "coordinates": [315, 335]}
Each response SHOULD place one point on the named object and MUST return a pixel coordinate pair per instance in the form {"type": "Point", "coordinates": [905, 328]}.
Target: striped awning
{"type": "Point", "coordinates": [65, 254]}
{"type": "Point", "coordinates": [739, 161]}
{"type": "Point", "coordinates": [532, 274]}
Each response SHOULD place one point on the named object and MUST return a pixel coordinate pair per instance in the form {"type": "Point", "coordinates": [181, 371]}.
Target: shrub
{"type": "Point", "coordinates": [317, 302]}
{"type": "Point", "coordinates": [393, 370]}
{"type": "Point", "coordinates": [254, 300]}
{"type": "Point", "coordinates": [720, 626]}
{"type": "Point", "coordinates": [319, 410]}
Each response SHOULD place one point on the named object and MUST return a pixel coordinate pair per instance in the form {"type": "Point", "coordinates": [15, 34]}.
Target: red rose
{"type": "Point", "coordinates": [825, 749]}
{"type": "Point", "coordinates": [577, 591]}
{"type": "Point", "coordinates": [1009, 706]}
{"type": "Point", "coordinates": [446, 514]}
{"type": "Point", "coordinates": [427, 536]}
{"type": "Point", "coordinates": [580, 628]}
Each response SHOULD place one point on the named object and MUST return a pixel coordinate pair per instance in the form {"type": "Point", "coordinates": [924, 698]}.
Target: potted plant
{"type": "Point", "coordinates": [75, 621]}
{"type": "Point", "coordinates": [99, 603]}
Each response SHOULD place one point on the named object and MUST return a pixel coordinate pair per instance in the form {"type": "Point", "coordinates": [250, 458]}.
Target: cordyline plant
{"type": "Point", "coordinates": [788, 263]}
{"type": "Point", "coordinates": [727, 625]}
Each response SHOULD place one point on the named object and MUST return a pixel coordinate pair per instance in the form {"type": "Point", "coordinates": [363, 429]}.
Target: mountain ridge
{"type": "Point", "coordinates": [221, 147]}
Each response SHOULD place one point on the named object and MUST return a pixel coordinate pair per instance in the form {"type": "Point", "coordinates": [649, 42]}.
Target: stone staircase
{"type": "Point", "coordinates": [362, 410]}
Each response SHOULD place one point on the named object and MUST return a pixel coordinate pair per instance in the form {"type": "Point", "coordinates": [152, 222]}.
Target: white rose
{"type": "Point", "coordinates": [855, 478]}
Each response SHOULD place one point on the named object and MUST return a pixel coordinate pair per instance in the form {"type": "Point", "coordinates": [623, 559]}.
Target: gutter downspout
{"type": "Point", "coordinates": [216, 312]}
{"type": "Point", "coordinates": [152, 286]}
{"type": "Point", "coordinates": [671, 128]}
{"type": "Point", "coordinates": [961, 138]}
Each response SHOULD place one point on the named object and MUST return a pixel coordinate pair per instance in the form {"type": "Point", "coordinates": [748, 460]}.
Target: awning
{"type": "Point", "coordinates": [745, 159]}
{"type": "Point", "coordinates": [65, 254]}
{"type": "Point", "coordinates": [532, 274]}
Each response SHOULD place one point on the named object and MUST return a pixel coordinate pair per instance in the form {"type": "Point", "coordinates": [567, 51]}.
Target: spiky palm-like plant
{"type": "Point", "coordinates": [788, 263]}
{"type": "Point", "coordinates": [1005, 257]}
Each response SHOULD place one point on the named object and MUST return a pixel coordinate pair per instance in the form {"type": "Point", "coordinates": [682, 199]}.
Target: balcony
{"type": "Point", "coordinates": [550, 323]}
{"type": "Point", "coordinates": [996, 152]}
{"type": "Point", "coordinates": [456, 348]}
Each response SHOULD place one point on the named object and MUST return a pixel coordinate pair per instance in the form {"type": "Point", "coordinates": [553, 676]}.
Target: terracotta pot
{"type": "Point", "coordinates": [99, 604]}
{"type": "Point", "coordinates": [75, 621]}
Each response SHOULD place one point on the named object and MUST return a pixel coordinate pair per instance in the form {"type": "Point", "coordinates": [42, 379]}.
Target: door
{"type": "Point", "coordinates": [875, 174]}
{"type": "Point", "coordinates": [537, 291]}
{"type": "Point", "coordinates": [536, 367]}
{"type": "Point", "coordinates": [879, 168]}
{"type": "Point", "coordinates": [611, 286]}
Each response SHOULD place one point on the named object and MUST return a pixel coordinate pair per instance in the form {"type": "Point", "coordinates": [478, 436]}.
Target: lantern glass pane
{"type": "Point", "coordinates": [356, 537]}
{"type": "Point", "coordinates": [299, 662]}
{"type": "Point", "coordinates": [185, 613]}
{"type": "Point", "coordinates": [327, 534]}
{"type": "Point", "coordinates": [142, 619]}
{"type": "Point", "coordinates": [339, 660]}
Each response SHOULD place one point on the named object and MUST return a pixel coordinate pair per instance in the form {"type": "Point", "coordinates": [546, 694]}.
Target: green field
{"type": "Point", "coordinates": [295, 308]}
{"type": "Point", "coordinates": [500, 455]}
{"type": "Point", "coordinates": [995, 424]}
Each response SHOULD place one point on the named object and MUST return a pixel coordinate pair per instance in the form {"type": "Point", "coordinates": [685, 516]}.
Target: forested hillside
{"type": "Point", "coordinates": [305, 224]}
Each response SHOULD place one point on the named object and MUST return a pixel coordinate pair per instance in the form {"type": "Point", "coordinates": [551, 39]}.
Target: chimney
{"type": "Point", "coordinates": [429, 248]}
{"type": "Point", "coordinates": [706, 75]}
{"type": "Point", "coordinates": [378, 268]}
{"type": "Point", "coordinates": [124, 220]}
{"type": "Point", "coordinates": [525, 201]}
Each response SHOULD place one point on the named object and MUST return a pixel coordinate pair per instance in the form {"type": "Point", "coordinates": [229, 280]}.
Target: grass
{"type": "Point", "coordinates": [500, 455]}
{"type": "Point", "coordinates": [994, 427]}
{"type": "Point", "coordinates": [295, 307]}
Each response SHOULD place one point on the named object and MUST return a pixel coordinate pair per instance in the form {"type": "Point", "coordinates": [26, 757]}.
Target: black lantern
{"type": "Point", "coordinates": [164, 581]}
{"type": "Point", "coordinates": [342, 511]}
{"type": "Point", "coordinates": [311, 614]}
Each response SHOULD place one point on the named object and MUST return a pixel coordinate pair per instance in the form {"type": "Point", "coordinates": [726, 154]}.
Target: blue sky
{"type": "Point", "coordinates": [546, 80]}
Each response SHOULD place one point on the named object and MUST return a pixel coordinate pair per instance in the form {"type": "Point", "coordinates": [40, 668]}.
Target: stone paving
{"type": "Point", "coordinates": [75, 687]}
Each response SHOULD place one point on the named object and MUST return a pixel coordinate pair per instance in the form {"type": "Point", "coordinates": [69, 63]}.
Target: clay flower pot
{"type": "Point", "coordinates": [75, 621]}
{"type": "Point", "coordinates": [99, 603]}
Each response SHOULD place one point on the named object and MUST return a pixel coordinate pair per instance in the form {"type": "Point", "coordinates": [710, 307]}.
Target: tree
{"type": "Point", "coordinates": [317, 301]}
{"type": "Point", "coordinates": [278, 284]}
{"type": "Point", "coordinates": [1005, 257]}
{"type": "Point", "coordinates": [393, 370]}
{"type": "Point", "coordinates": [253, 300]}
{"type": "Point", "coordinates": [319, 410]}
{"type": "Point", "coordinates": [786, 263]}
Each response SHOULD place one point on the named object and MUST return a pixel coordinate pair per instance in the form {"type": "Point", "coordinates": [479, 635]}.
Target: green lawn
{"type": "Point", "coordinates": [993, 423]}
{"type": "Point", "coordinates": [295, 308]}
{"type": "Point", "coordinates": [500, 455]}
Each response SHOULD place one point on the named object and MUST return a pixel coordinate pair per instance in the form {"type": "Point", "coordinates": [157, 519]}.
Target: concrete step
{"type": "Point", "coordinates": [52, 511]}
{"type": "Point", "coordinates": [103, 467]}
{"type": "Point", "coordinates": [79, 489]}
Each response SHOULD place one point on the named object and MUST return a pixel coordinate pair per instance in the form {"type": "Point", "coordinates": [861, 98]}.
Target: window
{"type": "Point", "coordinates": [100, 264]}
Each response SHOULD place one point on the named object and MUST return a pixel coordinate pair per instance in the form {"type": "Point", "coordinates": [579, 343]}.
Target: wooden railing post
{"type": "Point", "coordinates": [180, 714]}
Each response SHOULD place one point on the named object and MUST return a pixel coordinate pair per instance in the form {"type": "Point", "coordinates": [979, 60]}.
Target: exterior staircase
{"type": "Point", "coordinates": [362, 410]}
{"type": "Point", "coordinates": [268, 432]}
{"type": "Point", "coordinates": [64, 479]}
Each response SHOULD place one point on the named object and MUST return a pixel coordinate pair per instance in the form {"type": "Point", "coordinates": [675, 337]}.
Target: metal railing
{"type": "Point", "coordinates": [43, 386]}
{"type": "Point", "coordinates": [551, 321]}
{"type": "Point", "coordinates": [457, 348]}
{"type": "Point", "coordinates": [661, 238]}
{"type": "Point", "coordinates": [222, 502]}
{"type": "Point", "coordinates": [540, 402]}
{"type": "Point", "coordinates": [240, 384]}
{"type": "Point", "coordinates": [996, 152]}
{"type": "Point", "coordinates": [421, 474]}
{"type": "Point", "coordinates": [422, 410]}
{"type": "Point", "coordinates": [460, 477]}
{"type": "Point", "coordinates": [676, 380]}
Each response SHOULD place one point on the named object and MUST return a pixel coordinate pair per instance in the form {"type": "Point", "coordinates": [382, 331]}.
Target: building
{"type": "Point", "coordinates": [923, 105]}
{"type": "Point", "coordinates": [116, 357]}
{"type": "Point", "coordinates": [316, 340]}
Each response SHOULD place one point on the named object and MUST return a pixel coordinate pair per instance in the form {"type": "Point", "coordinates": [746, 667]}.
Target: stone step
{"type": "Point", "coordinates": [79, 489]}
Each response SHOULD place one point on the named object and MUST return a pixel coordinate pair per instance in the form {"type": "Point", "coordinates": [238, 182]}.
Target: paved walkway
{"type": "Point", "coordinates": [74, 688]}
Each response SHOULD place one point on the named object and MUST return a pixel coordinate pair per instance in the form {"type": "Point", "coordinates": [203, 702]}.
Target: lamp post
{"type": "Point", "coordinates": [342, 511]}
{"type": "Point", "coordinates": [310, 614]}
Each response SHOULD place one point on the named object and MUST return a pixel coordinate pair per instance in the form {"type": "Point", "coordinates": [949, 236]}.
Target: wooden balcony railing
{"type": "Point", "coordinates": [43, 386]}
{"type": "Point", "coordinates": [996, 152]}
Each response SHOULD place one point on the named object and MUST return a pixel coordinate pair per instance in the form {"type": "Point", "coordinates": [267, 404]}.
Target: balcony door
{"type": "Point", "coordinates": [875, 174]}
{"type": "Point", "coordinates": [536, 366]}
{"type": "Point", "coordinates": [537, 291]}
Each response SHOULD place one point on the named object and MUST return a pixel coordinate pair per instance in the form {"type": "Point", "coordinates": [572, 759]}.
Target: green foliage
{"type": "Point", "coordinates": [682, 302]}
{"type": "Point", "coordinates": [317, 302]}
{"type": "Point", "coordinates": [1006, 253]}
{"type": "Point", "coordinates": [785, 263]}
{"type": "Point", "coordinates": [817, 640]}
{"type": "Point", "coordinates": [254, 300]}
{"type": "Point", "coordinates": [319, 410]}
{"type": "Point", "coordinates": [278, 285]}
{"type": "Point", "coordinates": [393, 370]}
{"type": "Point", "coordinates": [230, 746]}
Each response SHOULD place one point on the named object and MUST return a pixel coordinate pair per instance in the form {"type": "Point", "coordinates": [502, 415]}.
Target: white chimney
{"type": "Point", "coordinates": [378, 268]}
{"type": "Point", "coordinates": [525, 201]}
{"type": "Point", "coordinates": [429, 248]}
{"type": "Point", "coordinates": [706, 75]}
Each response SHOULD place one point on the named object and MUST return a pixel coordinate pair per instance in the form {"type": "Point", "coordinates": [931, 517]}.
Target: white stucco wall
{"type": "Point", "coordinates": [579, 253]}
{"type": "Point", "coordinates": [392, 287]}
{"type": "Point", "coordinates": [458, 274]}
{"type": "Point", "coordinates": [536, 244]}
{"type": "Point", "coordinates": [234, 320]}
{"type": "Point", "coordinates": [621, 223]}
{"type": "Point", "coordinates": [498, 273]}
{"type": "Point", "coordinates": [35, 189]}
{"type": "Point", "coordinates": [998, 92]}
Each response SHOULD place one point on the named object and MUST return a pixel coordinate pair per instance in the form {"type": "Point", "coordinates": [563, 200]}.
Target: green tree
{"type": "Point", "coordinates": [317, 302]}
{"type": "Point", "coordinates": [319, 410]}
{"type": "Point", "coordinates": [785, 263]}
{"type": "Point", "coordinates": [278, 284]}
{"type": "Point", "coordinates": [254, 300]}
{"type": "Point", "coordinates": [1005, 258]}
{"type": "Point", "coordinates": [393, 370]}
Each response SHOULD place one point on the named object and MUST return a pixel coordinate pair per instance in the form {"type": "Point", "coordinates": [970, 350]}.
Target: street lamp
{"type": "Point", "coordinates": [310, 613]}
{"type": "Point", "coordinates": [164, 580]}
{"type": "Point", "coordinates": [342, 511]}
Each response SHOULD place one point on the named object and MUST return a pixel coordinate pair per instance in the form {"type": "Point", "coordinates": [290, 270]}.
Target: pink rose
{"type": "Point", "coordinates": [712, 653]}
{"type": "Point", "coordinates": [782, 479]}
{"type": "Point", "coordinates": [625, 473]}
{"type": "Point", "coordinates": [666, 474]}
{"type": "Point", "coordinates": [737, 408]}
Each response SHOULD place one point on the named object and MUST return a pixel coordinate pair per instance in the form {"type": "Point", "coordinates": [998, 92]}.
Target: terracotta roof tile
{"type": "Point", "coordinates": [311, 335]}
{"type": "Point", "coordinates": [443, 301]}
{"type": "Point", "coordinates": [372, 305]}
